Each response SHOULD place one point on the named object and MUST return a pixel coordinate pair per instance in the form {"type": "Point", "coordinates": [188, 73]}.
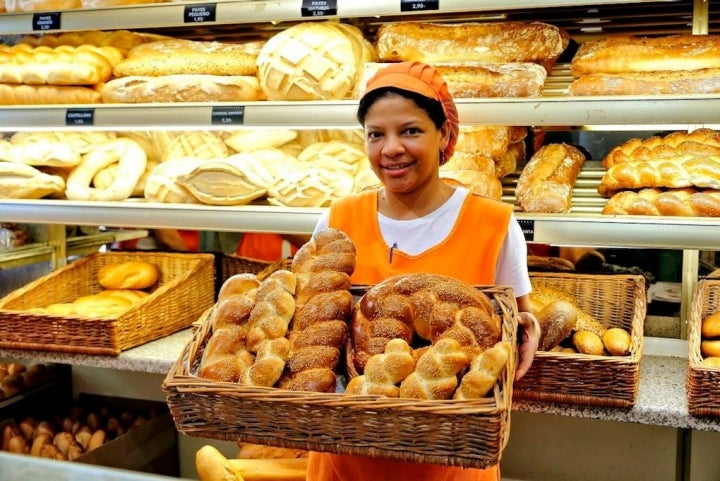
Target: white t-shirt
{"type": "Point", "coordinates": [415, 236]}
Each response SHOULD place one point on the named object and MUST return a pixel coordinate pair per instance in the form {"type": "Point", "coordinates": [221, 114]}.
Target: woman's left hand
{"type": "Point", "coordinates": [530, 335]}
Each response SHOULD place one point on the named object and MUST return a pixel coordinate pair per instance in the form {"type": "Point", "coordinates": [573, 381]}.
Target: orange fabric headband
{"type": "Point", "coordinates": [425, 80]}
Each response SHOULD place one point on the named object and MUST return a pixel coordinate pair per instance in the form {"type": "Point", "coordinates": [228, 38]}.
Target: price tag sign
{"type": "Point", "coordinates": [230, 115]}
{"type": "Point", "coordinates": [528, 228]}
{"type": "Point", "coordinates": [318, 8]}
{"type": "Point", "coordinates": [77, 117]}
{"type": "Point", "coordinates": [199, 13]}
{"type": "Point", "coordinates": [419, 5]}
{"type": "Point", "coordinates": [46, 21]}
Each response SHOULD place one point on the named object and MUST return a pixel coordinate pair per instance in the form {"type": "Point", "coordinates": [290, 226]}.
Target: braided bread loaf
{"type": "Point", "coordinates": [323, 304]}
{"type": "Point", "coordinates": [484, 372]}
{"type": "Point", "coordinates": [427, 306]}
{"type": "Point", "coordinates": [700, 142]}
{"type": "Point", "coordinates": [686, 202]}
{"type": "Point", "coordinates": [383, 372]}
{"type": "Point", "coordinates": [435, 375]}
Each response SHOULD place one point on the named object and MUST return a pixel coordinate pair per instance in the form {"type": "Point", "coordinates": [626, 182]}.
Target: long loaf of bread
{"type": "Point", "coordinates": [48, 95]}
{"type": "Point", "coordinates": [546, 183]}
{"type": "Point", "coordinates": [182, 88]}
{"type": "Point", "coordinates": [699, 143]}
{"type": "Point", "coordinates": [485, 42]}
{"type": "Point", "coordinates": [674, 202]}
{"type": "Point", "coordinates": [687, 171]}
{"type": "Point", "coordinates": [629, 53]}
{"type": "Point", "coordinates": [704, 81]}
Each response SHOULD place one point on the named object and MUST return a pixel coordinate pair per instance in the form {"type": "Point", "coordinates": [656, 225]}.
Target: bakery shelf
{"type": "Point", "coordinates": [161, 15]}
{"type": "Point", "coordinates": [559, 229]}
{"type": "Point", "coordinates": [607, 113]}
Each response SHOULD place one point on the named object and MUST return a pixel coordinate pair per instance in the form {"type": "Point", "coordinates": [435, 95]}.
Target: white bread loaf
{"type": "Point", "coordinates": [217, 182]}
{"type": "Point", "coordinates": [182, 88]}
{"type": "Point", "coordinates": [121, 39]}
{"type": "Point", "coordinates": [40, 5]}
{"type": "Point", "coordinates": [303, 187]}
{"type": "Point", "coordinates": [162, 184]}
{"type": "Point", "coordinates": [49, 153]}
{"type": "Point", "coordinates": [334, 156]}
{"type": "Point", "coordinates": [687, 202]}
{"type": "Point", "coordinates": [179, 56]}
{"type": "Point", "coordinates": [81, 142]}
{"type": "Point", "coordinates": [245, 140]}
{"type": "Point", "coordinates": [486, 42]}
{"type": "Point", "coordinates": [313, 61]}
{"type": "Point", "coordinates": [199, 144]}
{"type": "Point", "coordinates": [47, 95]}
{"type": "Point", "coordinates": [20, 181]}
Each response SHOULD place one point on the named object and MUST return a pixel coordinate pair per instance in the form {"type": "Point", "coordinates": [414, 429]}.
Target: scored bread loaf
{"type": "Point", "coordinates": [162, 183]}
{"type": "Point", "coordinates": [487, 42]}
{"type": "Point", "coordinates": [181, 88]}
{"type": "Point", "coordinates": [630, 53]}
{"type": "Point", "coordinates": [122, 39]}
{"type": "Point", "coordinates": [546, 183]}
{"type": "Point", "coordinates": [704, 81]}
{"type": "Point", "coordinates": [221, 182]}
{"type": "Point", "coordinates": [48, 94]}
{"type": "Point", "coordinates": [323, 304]}
{"type": "Point", "coordinates": [687, 202]}
{"type": "Point", "coordinates": [180, 56]}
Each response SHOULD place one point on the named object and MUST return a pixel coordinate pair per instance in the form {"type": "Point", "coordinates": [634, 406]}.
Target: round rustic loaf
{"type": "Point", "coordinates": [421, 306]}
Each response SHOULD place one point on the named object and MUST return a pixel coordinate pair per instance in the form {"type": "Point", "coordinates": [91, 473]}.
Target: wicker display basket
{"type": "Point", "coordinates": [459, 433]}
{"type": "Point", "coordinates": [184, 290]}
{"type": "Point", "coordinates": [702, 382]}
{"type": "Point", "coordinates": [582, 379]}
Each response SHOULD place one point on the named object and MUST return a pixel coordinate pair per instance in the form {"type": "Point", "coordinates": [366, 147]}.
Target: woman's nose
{"type": "Point", "coordinates": [392, 146]}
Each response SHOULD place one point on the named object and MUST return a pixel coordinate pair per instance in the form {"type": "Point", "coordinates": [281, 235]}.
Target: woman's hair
{"type": "Point", "coordinates": [434, 108]}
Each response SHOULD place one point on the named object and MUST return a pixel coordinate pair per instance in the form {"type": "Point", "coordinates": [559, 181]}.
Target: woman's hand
{"type": "Point", "coordinates": [530, 340]}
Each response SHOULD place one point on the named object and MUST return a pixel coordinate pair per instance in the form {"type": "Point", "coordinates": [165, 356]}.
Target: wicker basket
{"type": "Point", "coordinates": [231, 264]}
{"type": "Point", "coordinates": [581, 379]}
{"type": "Point", "coordinates": [702, 382]}
{"type": "Point", "coordinates": [459, 433]}
{"type": "Point", "coordinates": [183, 292]}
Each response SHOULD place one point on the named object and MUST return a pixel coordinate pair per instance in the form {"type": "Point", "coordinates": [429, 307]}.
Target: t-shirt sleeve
{"type": "Point", "coordinates": [511, 269]}
{"type": "Point", "coordinates": [323, 222]}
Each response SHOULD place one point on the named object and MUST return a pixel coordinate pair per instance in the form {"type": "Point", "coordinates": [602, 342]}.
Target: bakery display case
{"type": "Point", "coordinates": [552, 112]}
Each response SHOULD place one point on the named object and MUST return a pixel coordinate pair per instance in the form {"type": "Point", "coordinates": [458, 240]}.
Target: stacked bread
{"type": "Point", "coordinates": [477, 59]}
{"type": "Point", "coordinates": [635, 65]}
{"type": "Point", "coordinates": [547, 181]}
{"type": "Point", "coordinates": [286, 330]}
{"type": "Point", "coordinates": [483, 156]}
{"type": "Point", "coordinates": [674, 175]}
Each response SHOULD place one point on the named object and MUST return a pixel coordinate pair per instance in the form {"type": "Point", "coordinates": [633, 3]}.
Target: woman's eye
{"type": "Point", "coordinates": [412, 131]}
{"type": "Point", "coordinates": [374, 135]}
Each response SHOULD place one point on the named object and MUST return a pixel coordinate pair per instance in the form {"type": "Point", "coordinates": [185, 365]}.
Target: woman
{"type": "Point", "coordinates": [418, 223]}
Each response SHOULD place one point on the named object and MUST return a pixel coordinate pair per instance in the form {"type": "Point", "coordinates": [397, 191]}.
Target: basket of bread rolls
{"type": "Point", "coordinates": [105, 303]}
{"type": "Point", "coordinates": [703, 374]}
{"type": "Point", "coordinates": [591, 339]}
{"type": "Point", "coordinates": [296, 360]}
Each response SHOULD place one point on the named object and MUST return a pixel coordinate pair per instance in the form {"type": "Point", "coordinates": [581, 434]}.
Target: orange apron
{"type": "Point", "coordinates": [475, 240]}
{"type": "Point", "coordinates": [265, 247]}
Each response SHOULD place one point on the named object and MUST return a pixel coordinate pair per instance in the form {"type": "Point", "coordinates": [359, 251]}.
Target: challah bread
{"type": "Point", "coordinates": [48, 94]}
{"type": "Point", "coordinates": [273, 310]}
{"type": "Point", "coordinates": [240, 283]}
{"type": "Point", "coordinates": [269, 363]}
{"type": "Point", "coordinates": [670, 173]}
{"type": "Point", "coordinates": [484, 372]}
{"type": "Point", "coordinates": [323, 304]}
{"type": "Point", "coordinates": [429, 306]}
{"type": "Point", "coordinates": [546, 183]}
{"type": "Point", "coordinates": [687, 202]}
{"type": "Point", "coordinates": [180, 56]}
{"type": "Point", "coordinates": [435, 374]}
{"type": "Point", "coordinates": [384, 372]}
{"type": "Point", "coordinates": [697, 144]}
{"type": "Point", "coordinates": [631, 53]}
{"type": "Point", "coordinates": [181, 88]}
{"type": "Point", "coordinates": [128, 275]}
{"type": "Point", "coordinates": [488, 42]}
{"type": "Point", "coordinates": [20, 181]}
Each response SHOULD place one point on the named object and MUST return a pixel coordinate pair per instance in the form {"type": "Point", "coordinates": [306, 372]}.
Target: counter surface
{"type": "Point", "coordinates": [661, 399]}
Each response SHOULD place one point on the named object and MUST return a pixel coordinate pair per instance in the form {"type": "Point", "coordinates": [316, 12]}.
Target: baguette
{"type": "Point", "coordinates": [703, 81]}
{"type": "Point", "coordinates": [182, 88]}
{"type": "Point", "coordinates": [629, 53]}
{"type": "Point", "coordinates": [546, 183]}
{"type": "Point", "coordinates": [686, 202]}
{"type": "Point", "coordinates": [212, 465]}
{"type": "Point", "coordinates": [499, 42]}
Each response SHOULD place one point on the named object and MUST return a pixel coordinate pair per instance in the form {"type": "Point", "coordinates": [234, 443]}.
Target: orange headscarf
{"type": "Point", "coordinates": [425, 80]}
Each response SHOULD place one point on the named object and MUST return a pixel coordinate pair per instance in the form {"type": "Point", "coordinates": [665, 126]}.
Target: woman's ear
{"type": "Point", "coordinates": [445, 135]}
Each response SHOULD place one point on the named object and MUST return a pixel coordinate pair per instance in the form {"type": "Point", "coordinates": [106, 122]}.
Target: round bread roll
{"type": "Point", "coordinates": [128, 275]}
{"type": "Point", "coordinates": [313, 61]}
{"type": "Point", "coordinates": [710, 348]}
{"type": "Point", "coordinates": [587, 342]}
{"type": "Point", "coordinates": [711, 326]}
{"type": "Point", "coordinates": [711, 361]}
{"type": "Point", "coordinates": [617, 341]}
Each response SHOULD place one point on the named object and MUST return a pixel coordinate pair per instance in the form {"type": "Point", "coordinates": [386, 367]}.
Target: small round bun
{"type": "Point", "coordinates": [710, 348]}
{"type": "Point", "coordinates": [587, 342]}
{"type": "Point", "coordinates": [128, 275]}
{"type": "Point", "coordinates": [617, 341]}
{"type": "Point", "coordinates": [711, 326]}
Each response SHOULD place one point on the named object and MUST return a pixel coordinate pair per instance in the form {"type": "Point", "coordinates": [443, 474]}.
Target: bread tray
{"type": "Point", "coordinates": [583, 379]}
{"type": "Point", "coordinates": [184, 290]}
{"type": "Point", "coordinates": [702, 382]}
{"type": "Point", "coordinates": [457, 433]}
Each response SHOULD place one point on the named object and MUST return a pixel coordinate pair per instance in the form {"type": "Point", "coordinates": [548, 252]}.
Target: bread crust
{"type": "Point", "coordinates": [703, 81]}
{"type": "Point", "coordinates": [182, 88]}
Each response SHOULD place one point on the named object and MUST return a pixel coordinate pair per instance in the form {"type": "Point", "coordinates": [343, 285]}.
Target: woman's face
{"type": "Point", "coordinates": [403, 144]}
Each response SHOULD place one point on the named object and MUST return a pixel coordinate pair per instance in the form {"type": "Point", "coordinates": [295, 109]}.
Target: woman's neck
{"type": "Point", "coordinates": [416, 204]}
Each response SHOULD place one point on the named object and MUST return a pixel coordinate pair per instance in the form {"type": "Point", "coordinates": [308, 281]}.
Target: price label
{"type": "Point", "coordinates": [419, 5]}
{"type": "Point", "coordinates": [199, 13]}
{"type": "Point", "coordinates": [46, 21]}
{"type": "Point", "coordinates": [229, 115]}
{"type": "Point", "coordinates": [77, 117]}
{"type": "Point", "coordinates": [528, 228]}
{"type": "Point", "coordinates": [318, 8]}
